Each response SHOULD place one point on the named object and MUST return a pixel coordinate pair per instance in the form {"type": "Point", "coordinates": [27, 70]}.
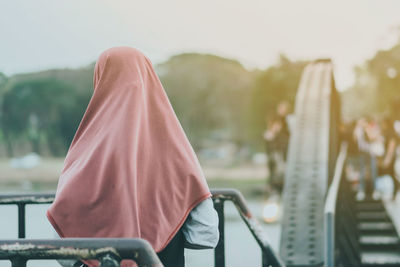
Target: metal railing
{"type": "Point", "coordinates": [21, 200]}
{"type": "Point", "coordinates": [331, 208]}
{"type": "Point", "coordinates": [107, 251]}
{"type": "Point", "coordinates": [269, 257]}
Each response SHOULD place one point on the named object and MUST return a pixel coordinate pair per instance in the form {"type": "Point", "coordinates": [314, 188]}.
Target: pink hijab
{"type": "Point", "coordinates": [130, 170]}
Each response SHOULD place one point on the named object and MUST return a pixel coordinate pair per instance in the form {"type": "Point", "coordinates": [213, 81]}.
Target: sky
{"type": "Point", "coordinates": [42, 34]}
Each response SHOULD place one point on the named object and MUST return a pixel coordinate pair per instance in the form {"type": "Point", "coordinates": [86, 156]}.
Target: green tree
{"type": "Point", "coordinates": [275, 84]}
{"type": "Point", "coordinates": [376, 88]}
{"type": "Point", "coordinates": [209, 94]}
{"type": "Point", "coordinates": [43, 109]}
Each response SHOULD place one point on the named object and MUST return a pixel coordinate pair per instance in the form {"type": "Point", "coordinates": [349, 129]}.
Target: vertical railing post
{"type": "Point", "coordinates": [219, 252]}
{"type": "Point", "coordinates": [18, 262]}
{"type": "Point", "coordinates": [21, 220]}
{"type": "Point", "coordinates": [329, 250]}
{"type": "Point", "coordinates": [264, 259]}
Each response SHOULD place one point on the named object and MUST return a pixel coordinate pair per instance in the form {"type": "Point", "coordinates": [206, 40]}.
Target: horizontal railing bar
{"type": "Point", "coordinates": [138, 250]}
{"type": "Point", "coordinates": [36, 198]}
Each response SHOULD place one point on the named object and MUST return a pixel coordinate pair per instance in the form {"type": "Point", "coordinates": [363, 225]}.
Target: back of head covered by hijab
{"type": "Point", "coordinates": [130, 170]}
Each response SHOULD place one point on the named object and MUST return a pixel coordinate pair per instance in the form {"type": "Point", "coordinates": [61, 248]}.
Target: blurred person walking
{"type": "Point", "coordinates": [359, 135]}
{"type": "Point", "coordinates": [346, 131]}
{"type": "Point", "coordinates": [376, 151]}
{"type": "Point", "coordinates": [130, 171]}
{"type": "Point", "coordinates": [277, 139]}
{"type": "Point", "coordinates": [387, 162]}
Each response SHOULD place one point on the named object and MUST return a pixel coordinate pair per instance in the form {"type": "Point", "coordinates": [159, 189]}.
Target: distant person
{"type": "Point", "coordinates": [387, 161]}
{"type": "Point", "coordinates": [130, 171]}
{"type": "Point", "coordinates": [371, 148]}
{"type": "Point", "coordinates": [277, 139]}
{"type": "Point", "coordinates": [346, 134]}
{"type": "Point", "coordinates": [360, 138]}
{"type": "Point", "coordinates": [376, 151]}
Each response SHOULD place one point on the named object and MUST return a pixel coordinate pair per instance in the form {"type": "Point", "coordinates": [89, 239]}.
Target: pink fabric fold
{"type": "Point", "coordinates": [130, 170]}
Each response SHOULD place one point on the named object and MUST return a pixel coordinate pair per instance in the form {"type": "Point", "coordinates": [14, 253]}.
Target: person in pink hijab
{"type": "Point", "coordinates": [130, 171]}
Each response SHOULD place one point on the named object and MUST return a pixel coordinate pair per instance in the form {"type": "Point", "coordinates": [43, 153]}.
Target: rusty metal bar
{"type": "Point", "coordinates": [39, 198]}
{"type": "Point", "coordinates": [108, 251]}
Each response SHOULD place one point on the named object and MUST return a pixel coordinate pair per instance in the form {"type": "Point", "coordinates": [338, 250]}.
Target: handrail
{"type": "Point", "coordinates": [111, 250]}
{"type": "Point", "coordinates": [330, 208]}
{"type": "Point", "coordinates": [39, 198]}
{"type": "Point", "coordinates": [269, 257]}
{"type": "Point", "coordinates": [21, 200]}
{"type": "Point", "coordinates": [108, 251]}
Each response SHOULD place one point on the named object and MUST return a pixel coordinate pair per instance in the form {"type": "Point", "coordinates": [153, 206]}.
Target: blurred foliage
{"type": "Point", "coordinates": [216, 99]}
{"type": "Point", "coordinates": [276, 84]}
{"type": "Point", "coordinates": [36, 108]}
{"type": "Point", "coordinates": [42, 110]}
{"type": "Point", "coordinates": [376, 88]}
{"type": "Point", "coordinates": [210, 96]}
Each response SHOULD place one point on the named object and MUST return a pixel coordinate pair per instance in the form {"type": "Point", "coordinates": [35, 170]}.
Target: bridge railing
{"type": "Point", "coordinates": [107, 251]}
{"type": "Point", "coordinates": [269, 257]}
{"type": "Point", "coordinates": [339, 222]}
{"type": "Point", "coordinates": [21, 200]}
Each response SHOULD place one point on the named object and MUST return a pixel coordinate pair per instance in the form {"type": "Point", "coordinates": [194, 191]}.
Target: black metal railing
{"type": "Point", "coordinates": [341, 235]}
{"type": "Point", "coordinates": [269, 257]}
{"type": "Point", "coordinates": [21, 200]}
{"type": "Point", "coordinates": [330, 209]}
{"type": "Point", "coordinates": [107, 251]}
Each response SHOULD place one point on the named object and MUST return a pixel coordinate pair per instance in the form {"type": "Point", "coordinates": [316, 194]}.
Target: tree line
{"type": "Point", "coordinates": [215, 98]}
